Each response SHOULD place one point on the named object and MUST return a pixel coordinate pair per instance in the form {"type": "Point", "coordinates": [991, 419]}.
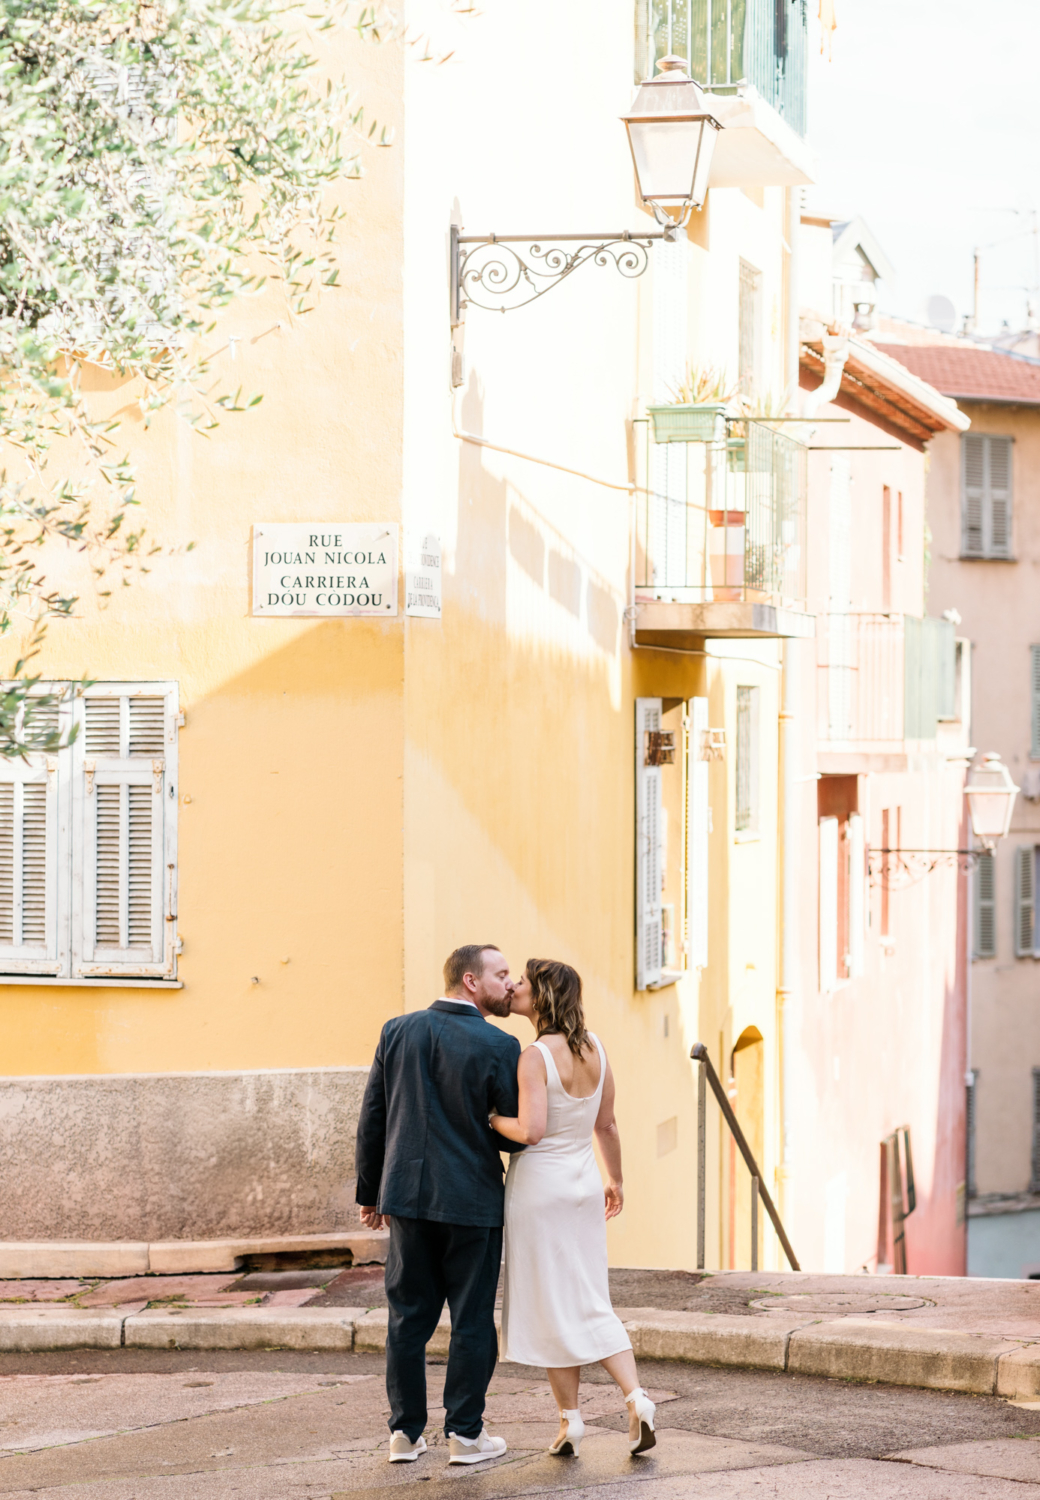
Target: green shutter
{"type": "Point", "coordinates": [1025, 887]}
{"type": "Point", "coordinates": [985, 937]}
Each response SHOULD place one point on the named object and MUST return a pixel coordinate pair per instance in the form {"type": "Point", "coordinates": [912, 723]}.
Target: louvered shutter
{"type": "Point", "coordinates": [985, 913]}
{"type": "Point", "coordinates": [857, 893]}
{"type": "Point", "coordinates": [1034, 701]}
{"type": "Point", "coordinates": [124, 844]}
{"type": "Point", "coordinates": [33, 892]}
{"type": "Point", "coordinates": [648, 850]}
{"type": "Point", "coordinates": [697, 836]}
{"type": "Point", "coordinates": [973, 485]}
{"type": "Point", "coordinates": [999, 478]}
{"type": "Point", "coordinates": [1025, 885]}
{"type": "Point", "coordinates": [828, 904]}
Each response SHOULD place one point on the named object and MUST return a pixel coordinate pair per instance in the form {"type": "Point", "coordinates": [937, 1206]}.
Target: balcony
{"type": "Point", "coordinates": [720, 536]}
{"type": "Point", "coordinates": [881, 680]}
{"type": "Point", "coordinates": [751, 56]}
{"type": "Point", "coordinates": [764, 43]}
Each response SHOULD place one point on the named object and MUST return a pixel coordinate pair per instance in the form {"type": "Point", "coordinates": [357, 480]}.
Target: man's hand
{"type": "Point", "coordinates": [372, 1218]}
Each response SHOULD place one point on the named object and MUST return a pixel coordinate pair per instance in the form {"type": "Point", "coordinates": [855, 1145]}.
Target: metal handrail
{"type": "Point", "coordinates": [699, 1054]}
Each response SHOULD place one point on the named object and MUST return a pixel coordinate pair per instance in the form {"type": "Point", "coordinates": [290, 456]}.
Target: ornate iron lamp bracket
{"type": "Point", "coordinates": [894, 867]}
{"type": "Point", "coordinates": [491, 272]}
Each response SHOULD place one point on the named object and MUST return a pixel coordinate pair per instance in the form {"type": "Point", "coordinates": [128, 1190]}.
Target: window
{"type": "Point", "coordinates": [1034, 702]}
{"type": "Point", "coordinates": [649, 867]}
{"type": "Point", "coordinates": [985, 496]}
{"type": "Point", "coordinates": [1025, 901]}
{"type": "Point", "coordinates": [886, 549]}
{"type": "Point", "coordinates": [984, 943]}
{"type": "Point", "coordinates": [88, 841]}
{"type": "Point", "coordinates": [970, 1105]}
{"type": "Point", "coordinates": [891, 838]}
{"type": "Point", "coordinates": [1034, 1184]}
{"type": "Point", "coordinates": [746, 813]}
{"type": "Point", "coordinates": [843, 881]}
{"type": "Point", "coordinates": [747, 327]}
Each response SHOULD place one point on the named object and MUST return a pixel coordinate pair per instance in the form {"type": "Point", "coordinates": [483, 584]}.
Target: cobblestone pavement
{"type": "Point", "coordinates": [128, 1424]}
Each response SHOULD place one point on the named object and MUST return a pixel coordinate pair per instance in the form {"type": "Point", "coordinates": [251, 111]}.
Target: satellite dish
{"type": "Point", "coordinates": [941, 314]}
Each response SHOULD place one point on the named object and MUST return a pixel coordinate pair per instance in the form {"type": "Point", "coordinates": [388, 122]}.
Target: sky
{"type": "Point", "coordinates": [926, 121]}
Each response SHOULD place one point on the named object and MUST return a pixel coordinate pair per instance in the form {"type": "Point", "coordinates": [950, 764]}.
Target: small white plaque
{"type": "Point", "coordinates": [325, 568]}
{"type": "Point", "coordinates": [422, 577]}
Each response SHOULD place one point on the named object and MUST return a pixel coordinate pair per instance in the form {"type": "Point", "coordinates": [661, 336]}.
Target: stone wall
{"type": "Point", "coordinates": [165, 1156]}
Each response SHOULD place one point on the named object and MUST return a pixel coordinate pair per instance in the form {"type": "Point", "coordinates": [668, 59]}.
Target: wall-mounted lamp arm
{"type": "Point", "coordinates": [488, 271]}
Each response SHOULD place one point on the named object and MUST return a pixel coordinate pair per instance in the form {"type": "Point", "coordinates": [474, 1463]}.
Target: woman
{"type": "Point", "coordinates": [557, 1310]}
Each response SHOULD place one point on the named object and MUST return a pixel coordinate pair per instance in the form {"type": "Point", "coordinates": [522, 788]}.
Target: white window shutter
{"type": "Point", "coordinates": [697, 836]}
{"type": "Point", "coordinates": [124, 846]}
{"type": "Point", "coordinates": [999, 478]}
{"type": "Point", "coordinates": [828, 904]}
{"type": "Point", "coordinates": [33, 917]}
{"type": "Point", "coordinates": [1034, 702]}
{"type": "Point", "coordinates": [648, 850]}
{"type": "Point", "coordinates": [984, 892]}
{"type": "Point", "coordinates": [973, 491]}
{"type": "Point", "coordinates": [1025, 887]}
{"type": "Point", "coordinates": [857, 894]}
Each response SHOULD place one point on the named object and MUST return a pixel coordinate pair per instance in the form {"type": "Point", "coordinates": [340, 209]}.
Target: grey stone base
{"type": "Point", "coordinates": [178, 1156]}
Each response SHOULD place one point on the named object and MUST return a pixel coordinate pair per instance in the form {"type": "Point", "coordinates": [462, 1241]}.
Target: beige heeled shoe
{"type": "Point", "coordinates": [569, 1441]}
{"type": "Point", "coordinates": [641, 1412]}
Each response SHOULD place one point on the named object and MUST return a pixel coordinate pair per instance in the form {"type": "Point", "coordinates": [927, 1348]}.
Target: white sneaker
{"type": "Point", "coordinates": [475, 1450]}
{"type": "Point", "coordinates": [403, 1450]}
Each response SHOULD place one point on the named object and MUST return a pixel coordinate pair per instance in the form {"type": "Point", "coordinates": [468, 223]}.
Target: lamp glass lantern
{"type": "Point", "coordinates": [672, 137]}
{"type": "Point", "coordinates": [991, 798]}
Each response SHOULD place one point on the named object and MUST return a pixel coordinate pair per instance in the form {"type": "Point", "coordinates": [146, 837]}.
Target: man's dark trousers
{"type": "Point", "coordinates": [429, 1263]}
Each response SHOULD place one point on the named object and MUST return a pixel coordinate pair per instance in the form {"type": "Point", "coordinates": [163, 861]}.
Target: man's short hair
{"type": "Point", "coordinates": [469, 959]}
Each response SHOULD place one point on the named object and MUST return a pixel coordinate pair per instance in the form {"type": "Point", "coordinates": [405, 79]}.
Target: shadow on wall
{"type": "Point", "coordinates": [534, 541]}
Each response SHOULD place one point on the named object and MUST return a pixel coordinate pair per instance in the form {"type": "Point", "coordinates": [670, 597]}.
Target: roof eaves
{"type": "Point", "coordinates": [904, 389]}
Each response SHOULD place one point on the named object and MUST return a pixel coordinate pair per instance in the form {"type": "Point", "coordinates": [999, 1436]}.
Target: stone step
{"type": "Point", "coordinates": [32, 1259]}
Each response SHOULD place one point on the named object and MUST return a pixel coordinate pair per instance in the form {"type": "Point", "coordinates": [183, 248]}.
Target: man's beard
{"type": "Point", "coordinates": [499, 1007]}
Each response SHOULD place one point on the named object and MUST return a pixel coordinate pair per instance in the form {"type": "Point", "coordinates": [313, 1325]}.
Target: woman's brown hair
{"type": "Point", "coordinates": [556, 1000]}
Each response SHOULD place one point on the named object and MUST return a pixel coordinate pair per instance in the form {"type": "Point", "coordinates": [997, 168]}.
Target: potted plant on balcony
{"type": "Point", "coordinates": [698, 412]}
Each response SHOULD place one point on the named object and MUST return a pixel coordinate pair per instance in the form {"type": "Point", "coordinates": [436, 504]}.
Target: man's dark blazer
{"type": "Point", "coordinates": [424, 1147]}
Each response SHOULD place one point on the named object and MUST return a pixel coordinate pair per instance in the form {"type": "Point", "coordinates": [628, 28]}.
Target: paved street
{"type": "Point", "coordinates": [137, 1425]}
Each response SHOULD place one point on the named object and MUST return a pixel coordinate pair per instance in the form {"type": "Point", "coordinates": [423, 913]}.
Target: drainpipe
{"type": "Point", "coordinates": [835, 353]}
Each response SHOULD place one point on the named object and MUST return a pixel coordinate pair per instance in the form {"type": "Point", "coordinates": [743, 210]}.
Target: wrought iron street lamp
{"type": "Point", "coordinates": [672, 137]}
{"type": "Point", "coordinates": [991, 799]}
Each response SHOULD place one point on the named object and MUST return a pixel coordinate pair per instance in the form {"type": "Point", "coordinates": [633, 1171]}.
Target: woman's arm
{"type": "Point", "coordinates": [609, 1143]}
{"type": "Point", "coordinates": [529, 1126]}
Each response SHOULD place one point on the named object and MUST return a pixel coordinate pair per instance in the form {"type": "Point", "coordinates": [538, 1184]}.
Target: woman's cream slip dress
{"type": "Point", "coordinates": [556, 1311]}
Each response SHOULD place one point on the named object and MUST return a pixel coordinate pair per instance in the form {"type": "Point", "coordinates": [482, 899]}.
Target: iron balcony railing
{"type": "Point", "coordinates": [883, 678]}
{"type": "Point", "coordinates": [724, 519]}
{"type": "Point", "coordinates": [728, 42]}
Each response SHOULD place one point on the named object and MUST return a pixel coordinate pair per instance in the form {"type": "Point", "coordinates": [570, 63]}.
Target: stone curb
{"type": "Point", "coordinates": [330, 1328]}
{"type": "Point", "coordinates": [843, 1348]}
{"type": "Point", "coordinates": [28, 1329]}
{"type": "Point", "coordinates": [31, 1259]}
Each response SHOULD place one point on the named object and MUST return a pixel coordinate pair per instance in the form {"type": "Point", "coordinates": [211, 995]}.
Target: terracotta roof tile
{"type": "Point", "coordinates": [970, 374]}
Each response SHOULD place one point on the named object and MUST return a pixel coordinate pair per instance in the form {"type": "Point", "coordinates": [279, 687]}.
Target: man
{"type": "Point", "coordinates": [428, 1164]}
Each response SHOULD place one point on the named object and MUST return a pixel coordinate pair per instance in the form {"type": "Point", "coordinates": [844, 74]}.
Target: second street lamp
{"type": "Point", "coordinates": [991, 799]}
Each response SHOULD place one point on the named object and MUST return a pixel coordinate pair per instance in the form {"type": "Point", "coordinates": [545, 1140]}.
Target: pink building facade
{"type": "Point", "coordinates": [874, 755]}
